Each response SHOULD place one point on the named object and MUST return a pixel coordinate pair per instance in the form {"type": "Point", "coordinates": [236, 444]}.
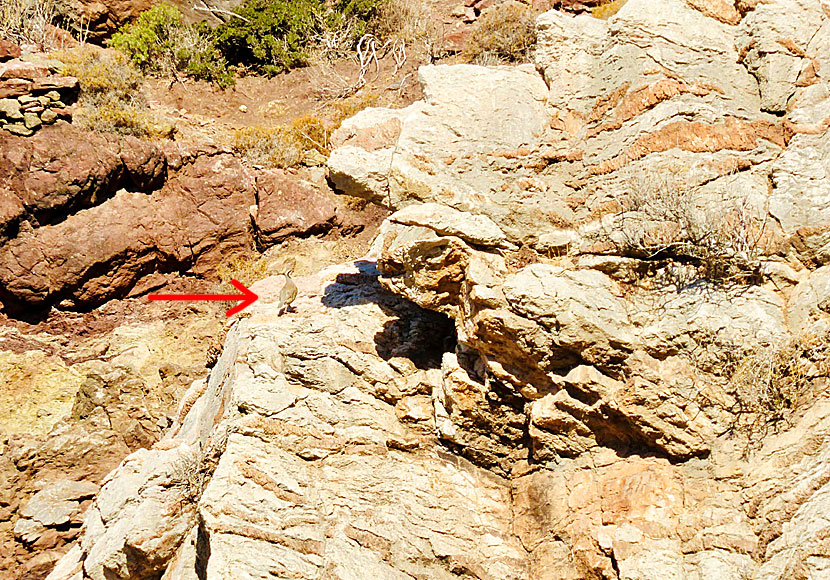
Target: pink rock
{"type": "Point", "coordinates": [15, 69]}
{"type": "Point", "coordinates": [8, 50]}
{"type": "Point", "coordinates": [14, 88]}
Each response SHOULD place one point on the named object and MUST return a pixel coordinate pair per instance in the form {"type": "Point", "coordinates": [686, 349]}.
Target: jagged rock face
{"type": "Point", "coordinates": [83, 217]}
{"type": "Point", "coordinates": [617, 238]}
{"type": "Point", "coordinates": [315, 459]}
{"type": "Point", "coordinates": [573, 306]}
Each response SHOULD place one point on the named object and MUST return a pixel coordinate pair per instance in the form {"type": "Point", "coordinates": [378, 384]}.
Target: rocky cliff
{"type": "Point", "coordinates": [591, 342]}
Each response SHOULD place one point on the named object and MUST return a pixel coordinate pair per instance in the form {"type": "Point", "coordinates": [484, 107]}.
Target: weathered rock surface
{"type": "Point", "coordinates": [605, 341]}
{"type": "Point", "coordinates": [84, 217]}
{"type": "Point", "coordinates": [80, 392]}
{"type": "Point", "coordinates": [629, 244]}
{"type": "Point", "coordinates": [288, 207]}
{"type": "Point", "coordinates": [63, 169]}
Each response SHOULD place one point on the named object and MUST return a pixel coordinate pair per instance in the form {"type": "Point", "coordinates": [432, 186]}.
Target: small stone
{"type": "Point", "coordinates": [313, 158]}
{"type": "Point", "coordinates": [49, 116]}
{"type": "Point", "coordinates": [31, 120]}
{"type": "Point", "coordinates": [53, 96]}
{"type": "Point", "coordinates": [28, 530]}
{"type": "Point", "coordinates": [19, 129]}
{"type": "Point", "coordinates": [243, 108]}
{"type": "Point", "coordinates": [26, 99]}
{"type": "Point", "coordinates": [32, 108]}
{"type": "Point", "coordinates": [10, 108]}
{"type": "Point", "coordinates": [44, 100]}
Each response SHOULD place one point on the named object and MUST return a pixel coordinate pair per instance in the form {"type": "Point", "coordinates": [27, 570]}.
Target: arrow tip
{"type": "Point", "coordinates": [247, 298]}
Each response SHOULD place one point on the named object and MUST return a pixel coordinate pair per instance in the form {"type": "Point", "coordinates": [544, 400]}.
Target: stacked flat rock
{"type": "Point", "coordinates": [30, 95]}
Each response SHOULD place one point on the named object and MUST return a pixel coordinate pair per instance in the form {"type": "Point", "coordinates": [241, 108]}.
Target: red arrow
{"type": "Point", "coordinates": [247, 297]}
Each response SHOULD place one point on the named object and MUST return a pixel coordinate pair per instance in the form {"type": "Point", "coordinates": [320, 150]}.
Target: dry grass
{"type": "Point", "coordinates": [29, 21]}
{"type": "Point", "coordinates": [112, 99]}
{"type": "Point", "coordinates": [289, 145]}
{"type": "Point", "coordinates": [505, 32]}
{"type": "Point", "coordinates": [769, 385]}
{"type": "Point", "coordinates": [607, 9]}
{"type": "Point", "coordinates": [247, 268]}
{"type": "Point", "coordinates": [661, 218]}
{"type": "Point", "coordinates": [412, 23]}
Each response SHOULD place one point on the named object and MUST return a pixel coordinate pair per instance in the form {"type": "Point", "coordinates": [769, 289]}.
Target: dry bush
{"type": "Point", "coordinates": [505, 32]}
{"type": "Point", "coordinates": [191, 473]}
{"type": "Point", "coordinates": [269, 146]}
{"type": "Point", "coordinates": [770, 384]}
{"type": "Point", "coordinates": [246, 268]}
{"type": "Point", "coordinates": [289, 145]}
{"type": "Point", "coordinates": [412, 23]}
{"type": "Point", "coordinates": [661, 219]}
{"type": "Point", "coordinates": [607, 9]}
{"type": "Point", "coordinates": [190, 476]}
{"type": "Point", "coordinates": [29, 21]}
{"type": "Point", "coordinates": [111, 99]}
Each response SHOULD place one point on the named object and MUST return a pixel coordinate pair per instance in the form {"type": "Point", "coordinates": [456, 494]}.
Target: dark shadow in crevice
{"type": "Point", "coordinates": [412, 332]}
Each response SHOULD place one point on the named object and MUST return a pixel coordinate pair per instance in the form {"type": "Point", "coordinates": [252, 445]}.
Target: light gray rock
{"type": "Point", "coordinates": [28, 530]}
{"type": "Point", "coordinates": [446, 221]}
{"type": "Point", "coordinates": [58, 502]}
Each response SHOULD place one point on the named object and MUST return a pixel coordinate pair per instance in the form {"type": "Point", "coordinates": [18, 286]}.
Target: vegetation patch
{"type": "Point", "coordinates": [247, 268]}
{"type": "Point", "coordinates": [271, 36]}
{"type": "Point", "coordinates": [770, 384]}
{"type": "Point", "coordinates": [505, 32]}
{"type": "Point", "coordinates": [111, 99]}
{"type": "Point", "coordinates": [160, 42]}
{"type": "Point", "coordinates": [607, 9]}
{"type": "Point", "coordinates": [29, 21]}
{"type": "Point", "coordinates": [306, 139]}
{"type": "Point", "coordinates": [661, 218]}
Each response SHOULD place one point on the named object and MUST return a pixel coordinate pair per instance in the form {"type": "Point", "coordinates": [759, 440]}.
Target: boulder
{"type": "Point", "coordinates": [64, 168]}
{"type": "Point", "coordinates": [55, 504]}
{"type": "Point", "coordinates": [288, 207]}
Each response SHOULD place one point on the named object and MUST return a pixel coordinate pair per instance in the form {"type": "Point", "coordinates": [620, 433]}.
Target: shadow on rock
{"type": "Point", "coordinates": [412, 332]}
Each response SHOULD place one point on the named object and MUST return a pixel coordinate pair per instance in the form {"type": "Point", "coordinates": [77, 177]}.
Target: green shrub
{"type": "Point", "coordinates": [160, 42]}
{"type": "Point", "coordinates": [505, 32]}
{"type": "Point", "coordinates": [272, 36]}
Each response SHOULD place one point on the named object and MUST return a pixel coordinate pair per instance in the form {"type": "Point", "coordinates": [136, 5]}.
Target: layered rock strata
{"type": "Point", "coordinates": [630, 241]}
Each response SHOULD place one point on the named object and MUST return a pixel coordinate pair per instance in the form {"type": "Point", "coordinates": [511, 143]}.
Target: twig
{"type": "Point", "coordinates": [220, 11]}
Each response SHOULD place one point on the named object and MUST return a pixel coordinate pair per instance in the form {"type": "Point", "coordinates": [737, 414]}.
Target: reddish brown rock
{"type": "Point", "coordinates": [289, 208]}
{"type": "Point", "coordinates": [63, 168]}
{"type": "Point", "coordinates": [105, 18]}
{"type": "Point", "coordinates": [14, 88]}
{"type": "Point", "coordinates": [456, 41]}
{"type": "Point", "coordinates": [99, 253]}
{"type": "Point", "coordinates": [8, 50]}
{"type": "Point", "coordinates": [68, 87]}
{"type": "Point", "coordinates": [14, 69]}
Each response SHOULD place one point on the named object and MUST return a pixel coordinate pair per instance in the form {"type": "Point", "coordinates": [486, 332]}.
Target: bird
{"type": "Point", "coordinates": [288, 292]}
